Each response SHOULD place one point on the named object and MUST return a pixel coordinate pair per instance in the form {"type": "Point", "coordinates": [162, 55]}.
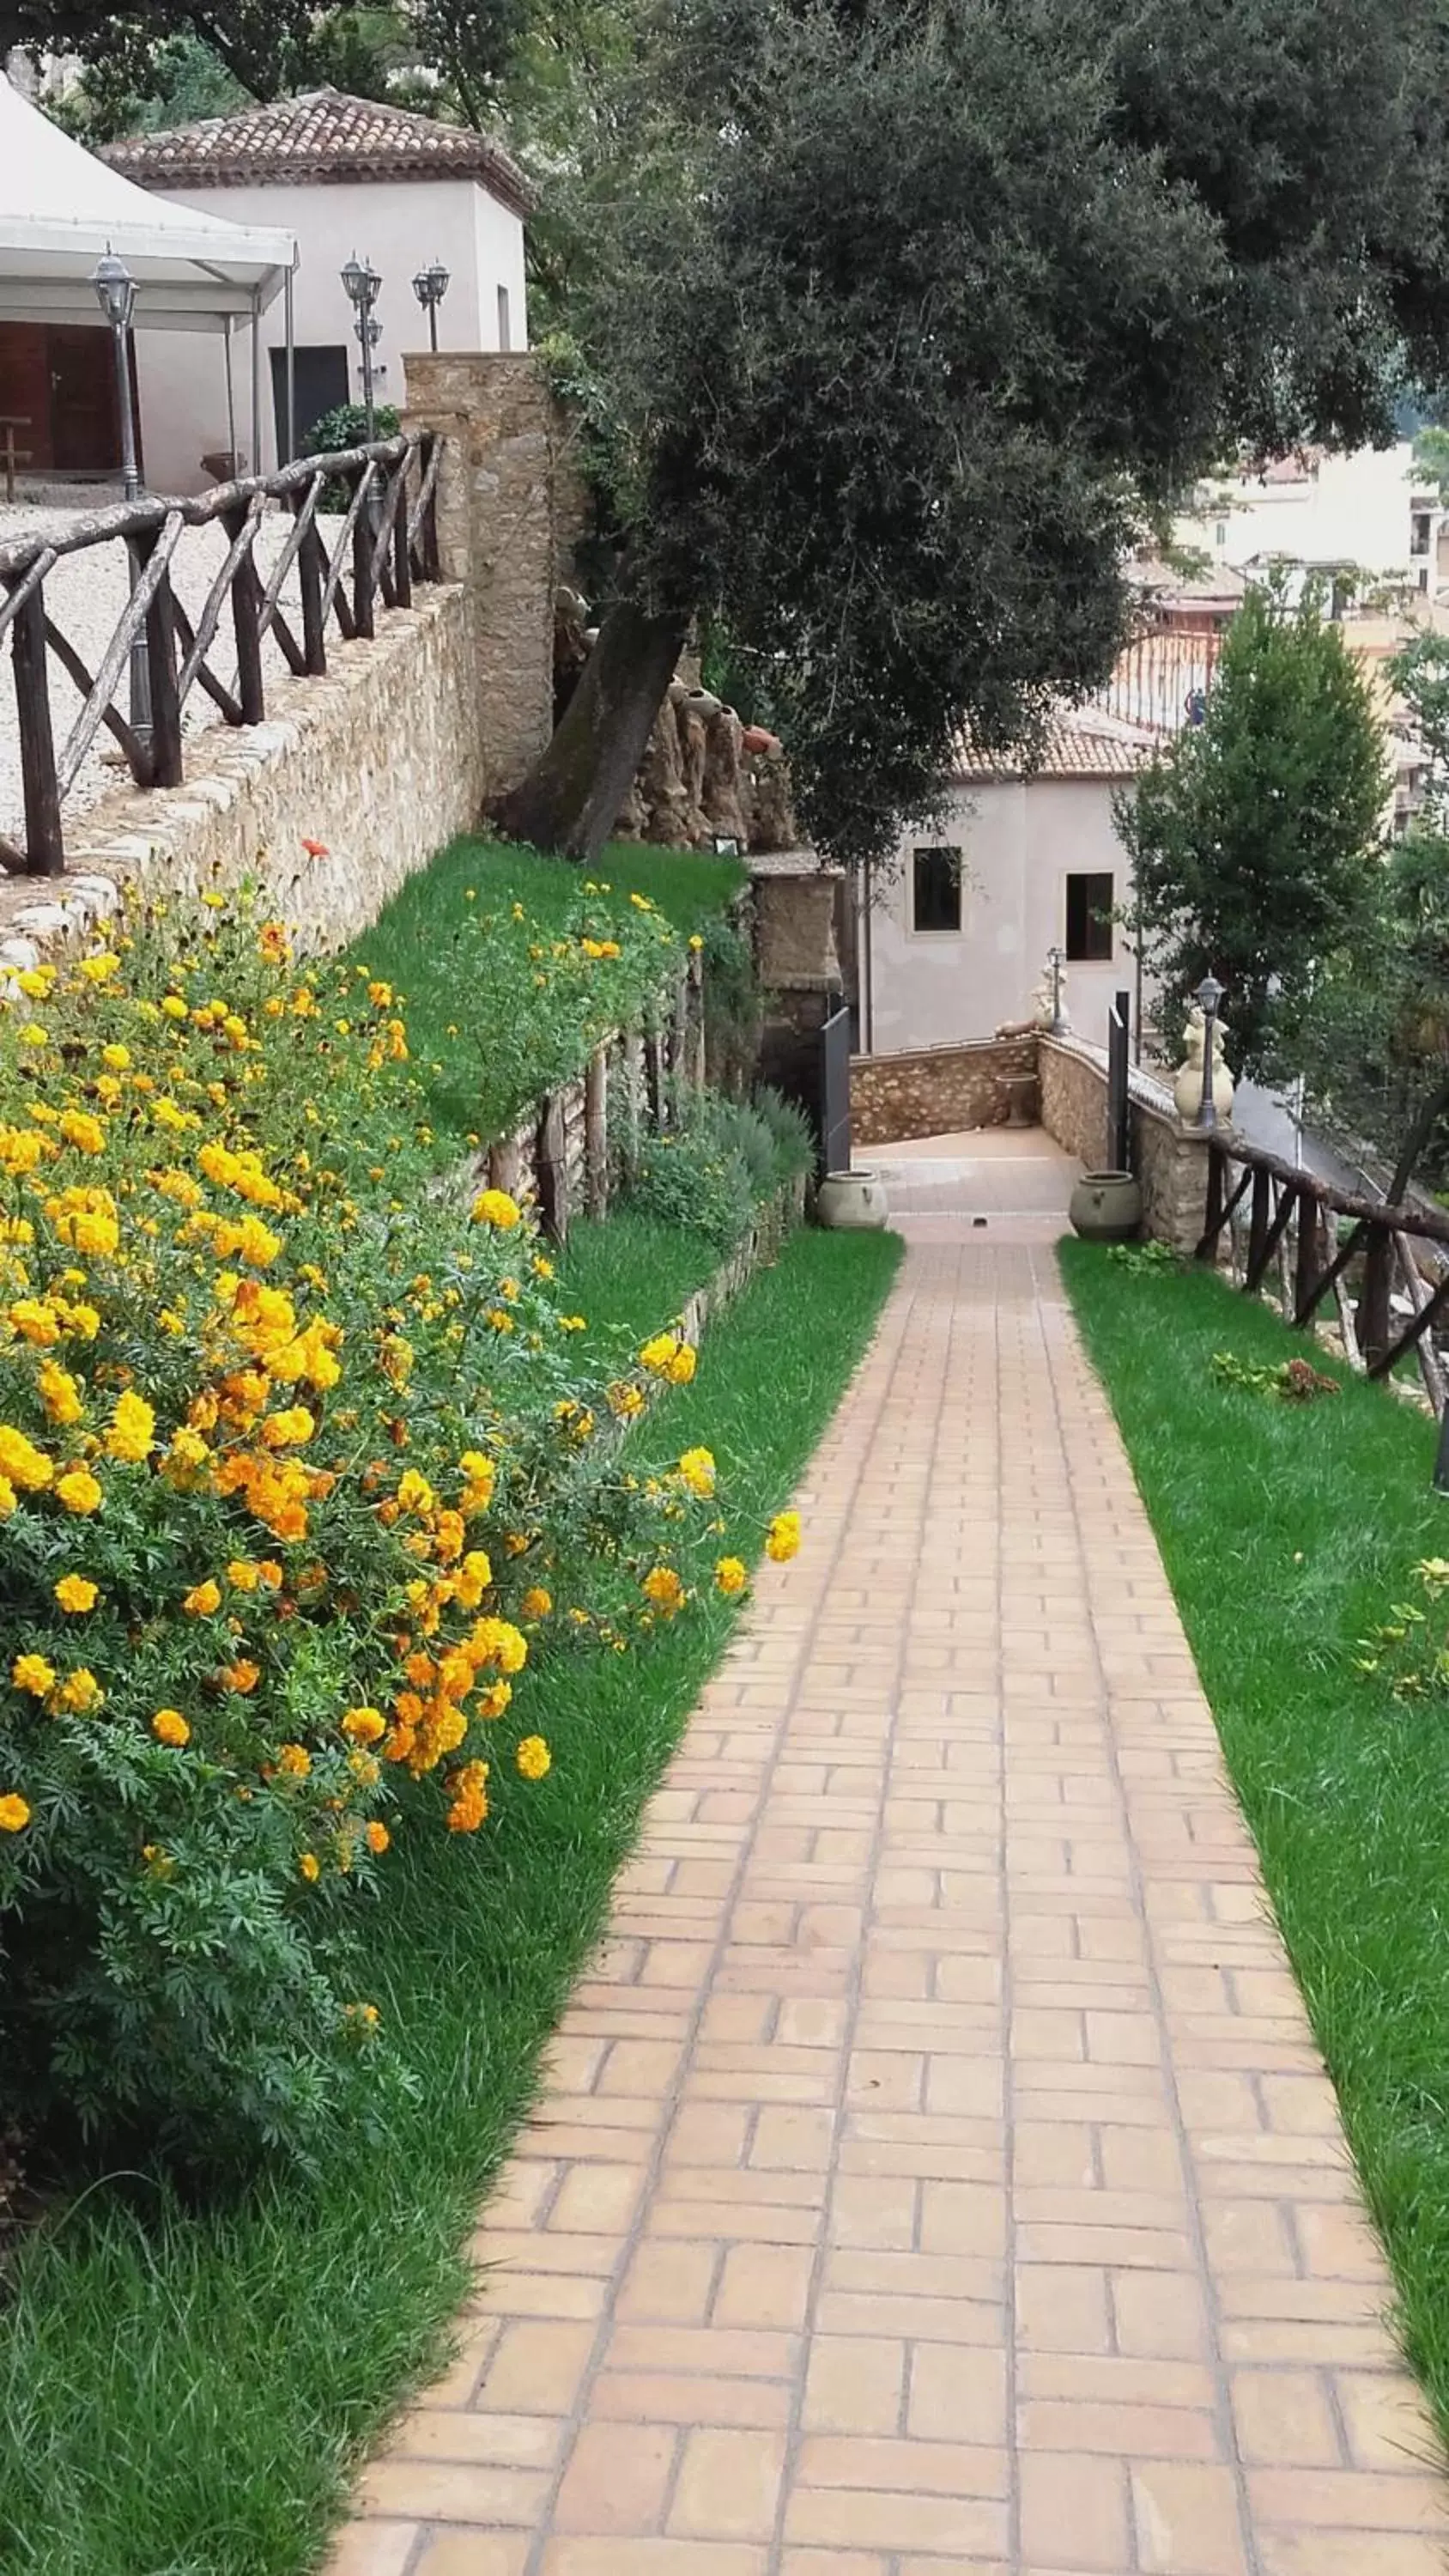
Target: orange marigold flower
{"type": "Point", "coordinates": [295, 1761]}
{"type": "Point", "coordinates": [202, 1600]}
{"type": "Point", "coordinates": [170, 1727]}
{"type": "Point", "coordinates": [378, 1836]}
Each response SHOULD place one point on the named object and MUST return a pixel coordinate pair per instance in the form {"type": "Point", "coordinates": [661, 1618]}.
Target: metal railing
{"type": "Point", "coordinates": [387, 541]}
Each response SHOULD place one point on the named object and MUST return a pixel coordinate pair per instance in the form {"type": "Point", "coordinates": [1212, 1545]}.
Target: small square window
{"type": "Point", "coordinates": [936, 889]}
{"type": "Point", "coordinates": [1089, 919]}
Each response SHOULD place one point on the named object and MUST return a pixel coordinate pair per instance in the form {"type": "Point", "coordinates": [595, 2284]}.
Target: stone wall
{"type": "Point", "coordinates": [511, 509]}
{"type": "Point", "coordinates": [1170, 1160]}
{"type": "Point", "coordinates": [938, 1091]}
{"type": "Point", "coordinates": [379, 764]}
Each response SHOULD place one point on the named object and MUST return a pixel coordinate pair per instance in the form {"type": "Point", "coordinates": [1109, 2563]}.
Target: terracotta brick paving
{"type": "Point", "coordinates": [935, 2170]}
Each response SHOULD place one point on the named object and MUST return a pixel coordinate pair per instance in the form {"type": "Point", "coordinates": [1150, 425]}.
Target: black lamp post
{"type": "Point", "coordinates": [430, 286]}
{"type": "Point", "coordinates": [1055, 962]}
{"type": "Point", "coordinates": [1208, 995]}
{"type": "Point", "coordinates": [363, 286]}
{"type": "Point", "coordinates": [116, 294]}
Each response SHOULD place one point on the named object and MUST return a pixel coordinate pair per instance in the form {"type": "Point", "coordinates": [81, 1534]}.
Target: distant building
{"type": "Point", "coordinates": [345, 175]}
{"type": "Point", "coordinates": [1317, 513]}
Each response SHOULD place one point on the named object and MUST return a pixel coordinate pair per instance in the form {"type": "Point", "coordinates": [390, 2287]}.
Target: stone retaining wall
{"type": "Point", "coordinates": [379, 763]}
{"type": "Point", "coordinates": [938, 1091]}
{"type": "Point", "coordinates": [1171, 1160]}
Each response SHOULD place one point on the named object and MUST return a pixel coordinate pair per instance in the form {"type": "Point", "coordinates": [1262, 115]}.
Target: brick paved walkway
{"type": "Point", "coordinates": [935, 2172]}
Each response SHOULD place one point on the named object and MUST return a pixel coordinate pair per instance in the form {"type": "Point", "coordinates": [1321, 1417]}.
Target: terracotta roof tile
{"type": "Point", "coordinates": [319, 136]}
{"type": "Point", "coordinates": [1083, 742]}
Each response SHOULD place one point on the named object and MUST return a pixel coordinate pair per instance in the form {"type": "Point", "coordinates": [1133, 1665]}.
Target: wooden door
{"type": "Point", "coordinates": [85, 435]}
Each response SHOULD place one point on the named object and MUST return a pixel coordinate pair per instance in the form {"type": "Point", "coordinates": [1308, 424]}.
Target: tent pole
{"type": "Point", "coordinates": [230, 396]}
{"type": "Point", "coordinates": [291, 370]}
{"type": "Point", "coordinates": [256, 384]}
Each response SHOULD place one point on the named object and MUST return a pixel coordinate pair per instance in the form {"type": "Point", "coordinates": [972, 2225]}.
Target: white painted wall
{"type": "Point", "coordinates": [401, 226]}
{"type": "Point", "coordinates": [1021, 839]}
{"type": "Point", "coordinates": [1354, 509]}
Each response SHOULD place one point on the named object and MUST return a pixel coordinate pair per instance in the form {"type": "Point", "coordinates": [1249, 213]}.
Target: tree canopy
{"type": "Point", "coordinates": [1255, 836]}
{"type": "Point", "coordinates": [938, 301]}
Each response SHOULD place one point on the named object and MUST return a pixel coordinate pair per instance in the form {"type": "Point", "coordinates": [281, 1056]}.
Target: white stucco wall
{"type": "Point", "coordinates": [1021, 839]}
{"type": "Point", "coordinates": [1354, 509]}
{"type": "Point", "coordinates": [401, 226]}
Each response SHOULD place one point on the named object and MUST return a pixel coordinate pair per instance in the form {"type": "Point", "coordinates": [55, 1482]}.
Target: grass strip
{"type": "Point", "coordinates": [186, 2390]}
{"type": "Point", "coordinates": [1287, 1532]}
{"type": "Point", "coordinates": [417, 941]}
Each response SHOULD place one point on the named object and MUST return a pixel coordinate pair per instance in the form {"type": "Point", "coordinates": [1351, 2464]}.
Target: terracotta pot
{"type": "Point", "coordinates": [1106, 1207]}
{"type": "Point", "coordinates": [757, 738]}
{"type": "Point", "coordinates": [852, 1201]}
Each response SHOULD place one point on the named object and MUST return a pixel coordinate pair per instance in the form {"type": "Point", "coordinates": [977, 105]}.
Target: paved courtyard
{"type": "Point", "coordinates": [935, 2172]}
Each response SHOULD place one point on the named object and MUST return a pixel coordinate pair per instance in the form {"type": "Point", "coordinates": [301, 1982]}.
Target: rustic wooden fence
{"type": "Point", "coordinates": [1318, 1241]}
{"type": "Point", "coordinates": [387, 541]}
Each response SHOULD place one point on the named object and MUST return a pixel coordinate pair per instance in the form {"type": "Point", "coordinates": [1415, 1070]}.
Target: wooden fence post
{"type": "Point", "coordinates": [44, 845]}
{"type": "Point", "coordinates": [596, 1133]}
{"type": "Point", "coordinates": [1372, 1320]}
{"type": "Point", "coordinates": [633, 1067]}
{"type": "Point", "coordinates": [551, 1160]}
{"type": "Point", "coordinates": [694, 1067]}
{"type": "Point", "coordinates": [166, 770]}
{"type": "Point", "coordinates": [362, 545]}
{"type": "Point", "coordinates": [655, 1081]}
{"type": "Point", "coordinates": [246, 602]}
{"type": "Point", "coordinates": [311, 559]}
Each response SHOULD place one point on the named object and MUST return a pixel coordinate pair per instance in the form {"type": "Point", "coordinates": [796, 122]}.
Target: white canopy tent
{"type": "Point", "coordinates": [61, 208]}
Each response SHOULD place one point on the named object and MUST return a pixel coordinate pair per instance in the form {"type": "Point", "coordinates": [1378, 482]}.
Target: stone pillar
{"type": "Point", "coordinates": [510, 510]}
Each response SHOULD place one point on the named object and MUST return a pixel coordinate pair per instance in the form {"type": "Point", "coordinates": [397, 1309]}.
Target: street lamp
{"type": "Point", "coordinates": [430, 286]}
{"type": "Point", "coordinates": [363, 286]}
{"type": "Point", "coordinates": [1207, 997]}
{"type": "Point", "coordinates": [1055, 962]}
{"type": "Point", "coordinates": [116, 294]}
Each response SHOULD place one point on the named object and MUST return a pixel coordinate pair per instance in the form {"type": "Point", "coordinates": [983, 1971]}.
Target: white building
{"type": "Point", "coordinates": [345, 175]}
{"type": "Point", "coordinates": [1320, 512]}
{"type": "Point", "coordinates": [955, 941]}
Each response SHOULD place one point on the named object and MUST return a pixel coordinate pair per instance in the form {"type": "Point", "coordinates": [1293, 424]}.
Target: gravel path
{"type": "Point", "coordinates": [85, 595]}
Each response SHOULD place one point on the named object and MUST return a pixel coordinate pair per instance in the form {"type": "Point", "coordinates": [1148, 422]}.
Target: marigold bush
{"type": "Point", "coordinates": [299, 1463]}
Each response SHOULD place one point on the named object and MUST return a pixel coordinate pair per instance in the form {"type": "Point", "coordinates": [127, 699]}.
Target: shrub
{"type": "Point", "coordinates": [711, 1172]}
{"type": "Point", "coordinates": [296, 1456]}
{"type": "Point", "coordinates": [346, 426]}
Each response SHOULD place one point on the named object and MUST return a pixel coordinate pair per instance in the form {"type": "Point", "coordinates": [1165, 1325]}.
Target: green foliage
{"type": "Point", "coordinates": [1297, 1381]}
{"type": "Point", "coordinates": [1142, 1259]}
{"type": "Point", "coordinates": [709, 1173]}
{"type": "Point", "coordinates": [1254, 835]}
{"type": "Point", "coordinates": [734, 1006]}
{"type": "Point", "coordinates": [148, 2332]}
{"type": "Point", "coordinates": [345, 425]}
{"type": "Point", "coordinates": [1285, 1535]}
{"type": "Point", "coordinates": [277, 1423]}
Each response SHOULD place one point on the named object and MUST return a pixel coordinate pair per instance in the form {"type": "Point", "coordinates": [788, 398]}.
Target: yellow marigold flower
{"type": "Point", "coordinates": [34, 1035]}
{"type": "Point", "coordinates": [377, 1836]}
{"type": "Point", "coordinates": [9, 1499]}
{"type": "Point", "coordinates": [14, 1814]}
{"type": "Point", "coordinates": [536, 1603]}
{"type": "Point", "coordinates": [117, 1057]}
{"type": "Point", "coordinates": [497, 1641]}
{"type": "Point", "coordinates": [573, 1323]}
{"type": "Point", "coordinates": [784, 1539]}
{"type": "Point", "coordinates": [472, 1579]}
{"type": "Point", "coordinates": [533, 1758]}
{"type": "Point", "coordinates": [658, 1353]}
{"type": "Point", "coordinates": [310, 1867]}
{"type": "Point", "coordinates": [99, 969]}
{"type": "Point", "coordinates": [132, 1435]}
{"type": "Point", "coordinates": [295, 1761]}
{"type": "Point", "coordinates": [290, 1429]}
{"type": "Point", "coordinates": [414, 1493]}
{"type": "Point", "coordinates": [730, 1576]}
{"type": "Point", "coordinates": [364, 1725]}
{"type": "Point", "coordinates": [625, 1399]}
{"type": "Point", "coordinates": [541, 1266]}
{"type": "Point", "coordinates": [80, 1129]}
{"type": "Point", "coordinates": [170, 1727]}
{"type": "Point", "coordinates": [242, 1574]}
{"type": "Point", "coordinates": [203, 1600]}
{"type": "Point", "coordinates": [35, 1322]}
{"type": "Point", "coordinates": [697, 1469]}
{"type": "Point", "coordinates": [363, 1768]}
{"type": "Point", "coordinates": [76, 1592]}
{"type": "Point", "coordinates": [59, 1394]}
{"type": "Point", "coordinates": [482, 1475]}
{"type": "Point", "coordinates": [79, 1491]}
{"type": "Point", "coordinates": [683, 1364]}
{"type": "Point", "coordinates": [186, 1461]}
{"type": "Point", "coordinates": [662, 1586]}
{"type": "Point", "coordinates": [87, 1220]}
{"type": "Point", "coordinates": [36, 982]}
{"type": "Point", "coordinates": [695, 942]}
{"type": "Point", "coordinates": [21, 1150]}
{"type": "Point", "coordinates": [495, 1207]}
{"type": "Point", "coordinates": [79, 1695]}
{"type": "Point", "coordinates": [32, 1673]}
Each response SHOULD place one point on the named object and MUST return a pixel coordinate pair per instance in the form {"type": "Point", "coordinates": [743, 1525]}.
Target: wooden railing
{"type": "Point", "coordinates": [1313, 1236]}
{"type": "Point", "coordinates": [387, 541]}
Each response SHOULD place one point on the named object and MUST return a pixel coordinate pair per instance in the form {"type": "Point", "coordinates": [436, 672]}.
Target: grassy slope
{"type": "Point", "coordinates": [413, 941]}
{"type": "Point", "coordinates": [183, 2392]}
{"type": "Point", "coordinates": [1287, 1531]}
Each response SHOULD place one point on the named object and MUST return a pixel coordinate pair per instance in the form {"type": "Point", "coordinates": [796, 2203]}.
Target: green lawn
{"type": "Point", "coordinates": [415, 942]}
{"type": "Point", "coordinates": [185, 2390]}
{"type": "Point", "coordinates": [1288, 1531]}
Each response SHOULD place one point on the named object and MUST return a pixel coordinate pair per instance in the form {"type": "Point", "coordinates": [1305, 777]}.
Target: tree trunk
{"type": "Point", "coordinates": [571, 799]}
{"type": "Point", "coordinates": [1430, 1112]}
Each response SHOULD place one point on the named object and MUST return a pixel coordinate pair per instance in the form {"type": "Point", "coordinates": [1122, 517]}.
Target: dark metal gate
{"type": "Point", "coordinates": [835, 1093]}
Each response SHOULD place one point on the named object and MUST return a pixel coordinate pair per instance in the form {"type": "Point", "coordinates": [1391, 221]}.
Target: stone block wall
{"type": "Point", "coordinates": [1074, 1100]}
{"type": "Point", "coordinates": [937, 1091]}
{"type": "Point", "coordinates": [379, 763]}
{"type": "Point", "coordinates": [1171, 1160]}
{"type": "Point", "coordinates": [511, 508]}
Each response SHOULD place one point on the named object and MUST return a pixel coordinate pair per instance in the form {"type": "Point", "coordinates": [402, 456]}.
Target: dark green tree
{"type": "Point", "coordinates": [920, 307]}
{"type": "Point", "coordinates": [1255, 837]}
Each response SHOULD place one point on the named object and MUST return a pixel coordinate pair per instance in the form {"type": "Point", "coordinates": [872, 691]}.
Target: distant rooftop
{"type": "Point", "coordinates": [318, 137]}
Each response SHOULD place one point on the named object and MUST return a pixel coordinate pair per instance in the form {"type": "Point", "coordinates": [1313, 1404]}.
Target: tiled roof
{"type": "Point", "coordinates": [319, 136]}
{"type": "Point", "coordinates": [1084, 742]}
